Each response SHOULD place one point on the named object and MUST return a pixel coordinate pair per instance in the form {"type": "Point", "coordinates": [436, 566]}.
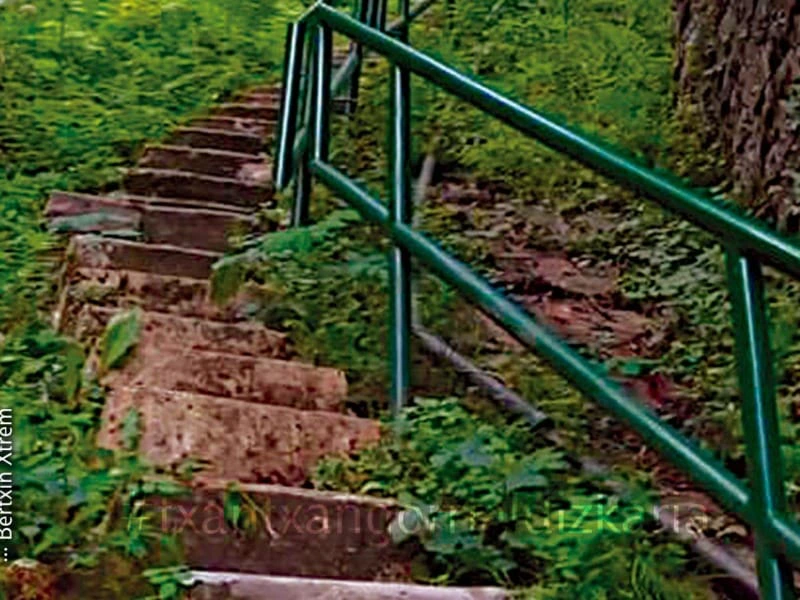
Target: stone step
{"type": "Point", "coordinates": [193, 227]}
{"type": "Point", "coordinates": [233, 440]}
{"type": "Point", "coordinates": [182, 296]}
{"type": "Point", "coordinates": [163, 329]}
{"type": "Point", "coordinates": [263, 129]}
{"type": "Point", "coordinates": [96, 252]}
{"type": "Point", "coordinates": [179, 203]}
{"type": "Point", "coordinates": [340, 103]}
{"type": "Point", "coordinates": [217, 139]}
{"type": "Point", "coordinates": [203, 228]}
{"type": "Point", "coordinates": [282, 531]}
{"type": "Point", "coordinates": [171, 365]}
{"type": "Point", "coordinates": [182, 184]}
{"type": "Point", "coordinates": [269, 88]}
{"type": "Point", "coordinates": [267, 99]}
{"type": "Point", "coordinates": [210, 585]}
{"type": "Point", "coordinates": [219, 163]}
{"type": "Point", "coordinates": [243, 110]}
{"type": "Point", "coordinates": [81, 213]}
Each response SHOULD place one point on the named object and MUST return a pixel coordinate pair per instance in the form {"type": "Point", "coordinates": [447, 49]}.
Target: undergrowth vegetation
{"type": "Point", "coordinates": [605, 67]}
{"type": "Point", "coordinates": [491, 503]}
{"type": "Point", "coordinates": [83, 83]}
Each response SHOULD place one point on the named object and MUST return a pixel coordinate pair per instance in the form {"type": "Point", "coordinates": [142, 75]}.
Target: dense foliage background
{"type": "Point", "coordinates": [83, 83]}
{"type": "Point", "coordinates": [604, 66]}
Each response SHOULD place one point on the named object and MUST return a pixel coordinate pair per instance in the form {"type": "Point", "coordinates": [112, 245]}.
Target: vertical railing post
{"type": "Point", "coordinates": [372, 13]}
{"type": "Point", "coordinates": [363, 17]}
{"type": "Point", "coordinates": [292, 73]}
{"type": "Point", "coordinates": [759, 414]}
{"type": "Point", "coordinates": [320, 124]}
{"type": "Point", "coordinates": [302, 180]}
{"type": "Point", "coordinates": [400, 260]}
{"type": "Point", "coordinates": [380, 17]}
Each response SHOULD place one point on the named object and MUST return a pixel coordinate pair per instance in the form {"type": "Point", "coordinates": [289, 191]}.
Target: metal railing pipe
{"type": "Point", "coordinates": [759, 414]}
{"type": "Point", "coordinates": [399, 258]}
{"type": "Point", "coordinates": [720, 219]}
{"type": "Point", "coordinates": [682, 452]}
{"type": "Point", "coordinates": [287, 127]}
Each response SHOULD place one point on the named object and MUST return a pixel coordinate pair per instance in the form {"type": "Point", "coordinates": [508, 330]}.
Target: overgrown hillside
{"type": "Point", "coordinates": [502, 203]}
{"type": "Point", "coordinates": [82, 85]}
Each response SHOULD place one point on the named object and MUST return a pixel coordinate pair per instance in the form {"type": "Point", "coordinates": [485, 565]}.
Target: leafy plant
{"type": "Point", "coordinates": [327, 287]}
{"type": "Point", "coordinates": [489, 503]}
{"type": "Point", "coordinates": [120, 337]}
{"type": "Point", "coordinates": [74, 502]}
{"type": "Point", "coordinates": [85, 83]}
{"type": "Point", "coordinates": [169, 581]}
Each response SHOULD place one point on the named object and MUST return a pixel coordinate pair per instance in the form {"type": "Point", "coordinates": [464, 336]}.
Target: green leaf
{"type": "Point", "coordinates": [130, 430]}
{"type": "Point", "coordinates": [473, 454]}
{"type": "Point", "coordinates": [227, 277]}
{"type": "Point", "coordinates": [121, 335]}
{"type": "Point", "coordinates": [525, 476]}
{"type": "Point", "coordinates": [168, 591]}
{"type": "Point", "coordinates": [73, 363]}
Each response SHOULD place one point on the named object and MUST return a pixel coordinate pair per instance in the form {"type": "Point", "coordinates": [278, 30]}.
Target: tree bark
{"type": "Point", "coordinates": [737, 67]}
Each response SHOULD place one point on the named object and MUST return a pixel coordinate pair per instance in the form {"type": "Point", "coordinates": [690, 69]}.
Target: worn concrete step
{"type": "Point", "coordinates": [234, 440]}
{"type": "Point", "coordinates": [96, 252]}
{"type": "Point", "coordinates": [217, 138]}
{"type": "Point", "coordinates": [80, 213]}
{"type": "Point", "coordinates": [263, 129]}
{"type": "Point", "coordinates": [72, 203]}
{"type": "Point", "coordinates": [267, 88]}
{"type": "Point", "coordinates": [183, 184]}
{"type": "Point", "coordinates": [179, 203]}
{"type": "Point", "coordinates": [203, 228]}
{"type": "Point", "coordinates": [210, 585]}
{"type": "Point", "coordinates": [183, 296]}
{"type": "Point", "coordinates": [340, 104]}
{"type": "Point", "coordinates": [193, 227]}
{"type": "Point", "coordinates": [164, 329]}
{"type": "Point", "coordinates": [267, 99]}
{"type": "Point", "coordinates": [219, 163]}
{"type": "Point", "coordinates": [243, 110]}
{"type": "Point", "coordinates": [279, 530]}
{"type": "Point", "coordinates": [171, 365]}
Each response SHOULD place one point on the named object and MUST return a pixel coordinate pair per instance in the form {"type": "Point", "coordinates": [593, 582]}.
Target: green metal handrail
{"type": "Point", "coordinates": [748, 244]}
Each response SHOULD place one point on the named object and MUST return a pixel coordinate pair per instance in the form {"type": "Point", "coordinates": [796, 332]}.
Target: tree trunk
{"type": "Point", "coordinates": [738, 68]}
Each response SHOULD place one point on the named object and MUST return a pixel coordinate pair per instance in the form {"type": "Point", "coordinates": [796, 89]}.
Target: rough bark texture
{"type": "Point", "coordinates": [738, 66]}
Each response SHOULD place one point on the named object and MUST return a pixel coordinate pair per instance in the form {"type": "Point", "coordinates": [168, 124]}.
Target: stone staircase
{"type": "Point", "coordinates": [209, 386]}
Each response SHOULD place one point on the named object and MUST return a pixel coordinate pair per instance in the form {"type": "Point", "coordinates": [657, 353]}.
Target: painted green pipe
{"type": "Point", "coordinates": [302, 179]}
{"type": "Point", "coordinates": [723, 220]}
{"type": "Point", "coordinates": [759, 414]}
{"type": "Point", "coordinates": [353, 62]}
{"type": "Point", "coordinates": [747, 240]}
{"type": "Point", "coordinates": [321, 114]}
{"type": "Point", "coordinates": [682, 452]}
{"type": "Point", "coordinates": [292, 74]}
{"type": "Point", "coordinates": [399, 258]}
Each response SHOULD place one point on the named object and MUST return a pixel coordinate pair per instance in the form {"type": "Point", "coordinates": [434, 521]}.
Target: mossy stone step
{"type": "Point", "coordinates": [233, 440]}
{"type": "Point", "coordinates": [184, 184]}
{"type": "Point", "coordinates": [164, 329]}
{"type": "Point", "coordinates": [280, 530]}
{"type": "Point", "coordinates": [199, 135]}
{"type": "Point", "coordinates": [218, 163]}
